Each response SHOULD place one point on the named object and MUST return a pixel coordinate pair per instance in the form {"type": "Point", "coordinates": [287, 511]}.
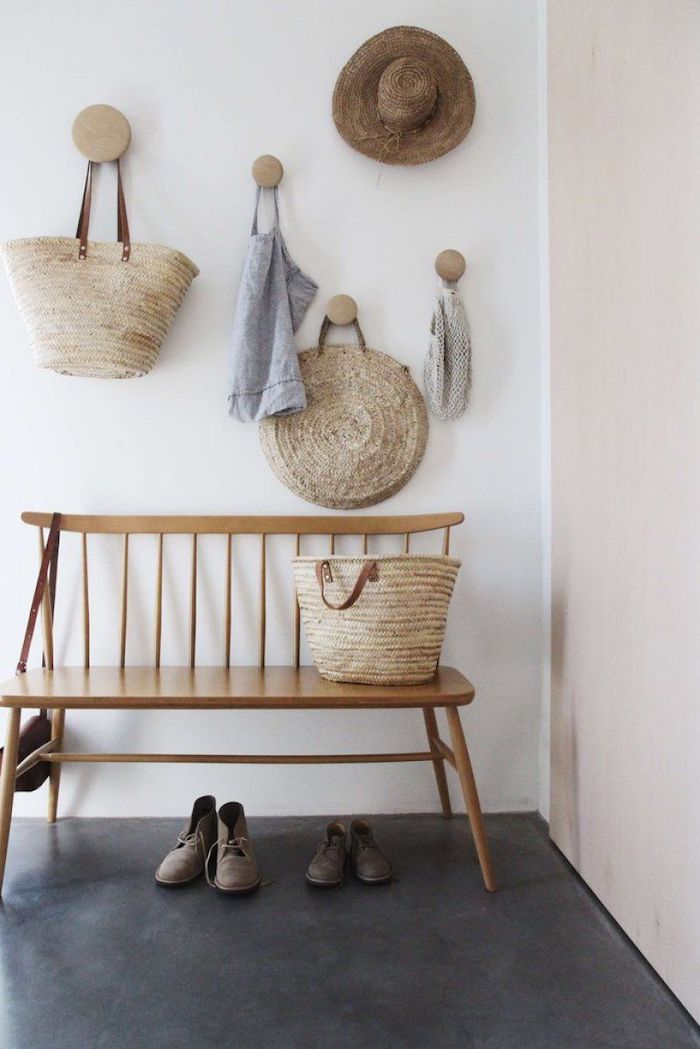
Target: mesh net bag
{"type": "Point", "coordinates": [448, 365]}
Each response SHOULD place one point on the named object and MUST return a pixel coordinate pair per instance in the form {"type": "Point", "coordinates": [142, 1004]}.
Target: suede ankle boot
{"type": "Point", "coordinates": [326, 868]}
{"type": "Point", "coordinates": [231, 866]}
{"type": "Point", "coordinates": [368, 862]}
{"type": "Point", "coordinates": [186, 860]}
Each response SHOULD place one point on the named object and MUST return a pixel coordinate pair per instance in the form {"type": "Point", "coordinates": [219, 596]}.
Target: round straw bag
{"type": "Point", "coordinates": [93, 309]}
{"type": "Point", "coordinates": [363, 432]}
{"type": "Point", "coordinates": [377, 620]}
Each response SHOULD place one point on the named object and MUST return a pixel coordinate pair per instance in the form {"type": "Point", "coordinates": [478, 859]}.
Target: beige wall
{"type": "Point", "coordinates": [624, 140]}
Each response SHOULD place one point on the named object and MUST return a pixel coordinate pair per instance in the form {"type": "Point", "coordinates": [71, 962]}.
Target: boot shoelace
{"type": "Point", "coordinates": [187, 839]}
{"type": "Point", "coordinates": [336, 844]}
{"type": "Point", "coordinates": [238, 844]}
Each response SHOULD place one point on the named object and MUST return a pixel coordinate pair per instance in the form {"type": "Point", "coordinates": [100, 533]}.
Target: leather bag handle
{"type": "Point", "coordinates": [84, 217]}
{"type": "Point", "coordinates": [324, 331]}
{"type": "Point", "coordinates": [47, 570]}
{"type": "Point", "coordinates": [368, 573]}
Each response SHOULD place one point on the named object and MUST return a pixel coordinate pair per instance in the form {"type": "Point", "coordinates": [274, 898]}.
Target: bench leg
{"type": "Point", "coordinates": [438, 761]}
{"type": "Point", "coordinates": [471, 797]}
{"type": "Point", "coordinates": [58, 718]}
{"type": "Point", "coordinates": [7, 783]}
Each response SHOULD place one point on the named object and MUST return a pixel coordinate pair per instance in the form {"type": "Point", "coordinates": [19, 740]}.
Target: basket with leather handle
{"type": "Point", "coordinates": [37, 731]}
{"type": "Point", "coordinates": [100, 310]}
{"type": "Point", "coordinates": [377, 620]}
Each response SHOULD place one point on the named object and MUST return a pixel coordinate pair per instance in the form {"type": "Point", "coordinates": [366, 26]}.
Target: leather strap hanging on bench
{"type": "Point", "coordinates": [47, 570]}
{"type": "Point", "coordinates": [37, 731]}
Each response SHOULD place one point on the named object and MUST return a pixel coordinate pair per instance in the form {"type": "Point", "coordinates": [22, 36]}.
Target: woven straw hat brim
{"type": "Point", "coordinates": [361, 436]}
{"type": "Point", "coordinates": [355, 98]}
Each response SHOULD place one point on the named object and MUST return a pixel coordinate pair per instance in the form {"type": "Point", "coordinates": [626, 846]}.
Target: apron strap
{"type": "Point", "coordinates": [276, 224]}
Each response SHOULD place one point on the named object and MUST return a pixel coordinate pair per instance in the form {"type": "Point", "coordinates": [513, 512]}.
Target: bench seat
{"type": "Point", "coordinates": [216, 688]}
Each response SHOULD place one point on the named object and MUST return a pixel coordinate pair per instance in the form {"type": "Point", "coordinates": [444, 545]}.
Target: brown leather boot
{"type": "Point", "coordinates": [326, 868]}
{"type": "Point", "coordinates": [367, 860]}
{"type": "Point", "coordinates": [185, 861]}
{"type": "Point", "coordinates": [233, 859]}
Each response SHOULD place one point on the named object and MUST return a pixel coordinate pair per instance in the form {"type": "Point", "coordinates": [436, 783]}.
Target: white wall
{"type": "Point", "coordinates": [624, 89]}
{"type": "Point", "coordinates": [207, 87]}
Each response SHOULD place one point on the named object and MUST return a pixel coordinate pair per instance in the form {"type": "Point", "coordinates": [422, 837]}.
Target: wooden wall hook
{"type": "Point", "coordinates": [267, 171]}
{"type": "Point", "coordinates": [341, 309]}
{"type": "Point", "coordinates": [450, 265]}
{"type": "Point", "coordinates": [101, 133]}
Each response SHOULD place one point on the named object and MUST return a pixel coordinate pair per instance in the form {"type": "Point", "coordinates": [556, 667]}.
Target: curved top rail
{"type": "Point", "coordinates": [107, 524]}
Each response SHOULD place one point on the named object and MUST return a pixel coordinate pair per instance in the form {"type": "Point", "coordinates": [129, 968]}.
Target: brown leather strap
{"type": "Point", "coordinates": [368, 573]}
{"type": "Point", "coordinates": [47, 569]}
{"type": "Point", "coordinates": [84, 217]}
{"type": "Point", "coordinates": [326, 325]}
{"type": "Point", "coordinates": [122, 220]}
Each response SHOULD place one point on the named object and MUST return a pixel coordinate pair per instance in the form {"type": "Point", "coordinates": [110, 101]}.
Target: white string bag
{"type": "Point", "coordinates": [447, 371]}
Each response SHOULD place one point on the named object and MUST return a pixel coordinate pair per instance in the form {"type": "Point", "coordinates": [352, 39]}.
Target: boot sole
{"type": "Point", "coordinates": [374, 881]}
{"type": "Point", "coordinates": [238, 892]}
{"type": "Point", "coordinates": [324, 884]}
{"type": "Point", "coordinates": [177, 884]}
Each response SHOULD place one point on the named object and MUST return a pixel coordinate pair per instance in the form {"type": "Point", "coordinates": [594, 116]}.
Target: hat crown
{"type": "Point", "coordinates": [406, 95]}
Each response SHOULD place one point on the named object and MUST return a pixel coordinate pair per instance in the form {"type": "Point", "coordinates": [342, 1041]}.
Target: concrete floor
{"type": "Point", "coordinates": [94, 956]}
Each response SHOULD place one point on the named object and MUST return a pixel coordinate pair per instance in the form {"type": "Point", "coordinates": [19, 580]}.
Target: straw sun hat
{"type": "Point", "coordinates": [405, 97]}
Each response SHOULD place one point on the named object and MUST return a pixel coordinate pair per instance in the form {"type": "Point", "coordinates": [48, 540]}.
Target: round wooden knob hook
{"type": "Point", "coordinates": [101, 133]}
{"type": "Point", "coordinates": [267, 171]}
{"type": "Point", "coordinates": [341, 309]}
{"type": "Point", "coordinates": [450, 265]}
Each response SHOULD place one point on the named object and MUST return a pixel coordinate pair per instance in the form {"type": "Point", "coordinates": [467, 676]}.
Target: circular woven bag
{"type": "Point", "coordinates": [362, 434]}
{"type": "Point", "coordinates": [376, 620]}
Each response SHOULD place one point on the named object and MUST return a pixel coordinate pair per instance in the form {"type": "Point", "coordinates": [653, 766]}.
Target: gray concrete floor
{"type": "Point", "coordinates": [94, 956]}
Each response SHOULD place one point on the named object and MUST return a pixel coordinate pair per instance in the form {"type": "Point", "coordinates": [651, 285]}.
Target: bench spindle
{"type": "Point", "coordinates": [263, 624]}
{"type": "Point", "coordinates": [227, 617]}
{"type": "Point", "coordinates": [46, 617]}
{"type": "Point", "coordinates": [159, 602]}
{"type": "Point", "coordinates": [86, 603]}
{"type": "Point", "coordinates": [193, 602]}
{"type": "Point", "coordinates": [125, 588]}
{"type": "Point", "coordinates": [58, 717]}
{"type": "Point", "coordinates": [297, 610]}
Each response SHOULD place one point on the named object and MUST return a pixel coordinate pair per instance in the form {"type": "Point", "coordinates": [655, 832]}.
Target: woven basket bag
{"type": "Point", "coordinates": [362, 435]}
{"type": "Point", "coordinates": [375, 620]}
{"type": "Point", "coordinates": [95, 309]}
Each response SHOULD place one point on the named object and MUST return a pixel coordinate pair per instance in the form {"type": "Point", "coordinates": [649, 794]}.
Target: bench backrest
{"type": "Point", "coordinates": [325, 528]}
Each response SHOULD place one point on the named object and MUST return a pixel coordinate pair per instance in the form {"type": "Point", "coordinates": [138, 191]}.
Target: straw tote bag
{"type": "Point", "coordinates": [363, 432]}
{"type": "Point", "coordinates": [96, 309]}
{"type": "Point", "coordinates": [375, 620]}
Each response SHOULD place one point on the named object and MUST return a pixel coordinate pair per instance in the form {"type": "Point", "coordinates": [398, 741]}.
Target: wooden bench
{"type": "Point", "coordinates": [229, 687]}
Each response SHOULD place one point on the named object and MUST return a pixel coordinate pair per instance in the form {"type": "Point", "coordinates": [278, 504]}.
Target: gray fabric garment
{"type": "Point", "coordinates": [264, 376]}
